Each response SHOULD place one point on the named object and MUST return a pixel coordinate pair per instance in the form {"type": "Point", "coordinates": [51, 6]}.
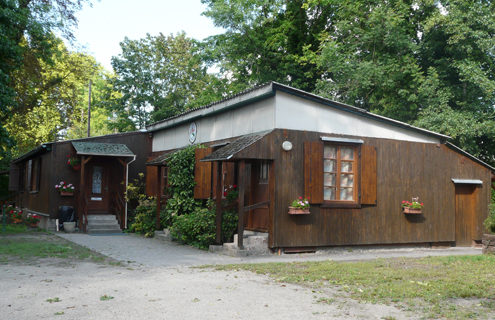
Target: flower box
{"type": "Point", "coordinates": [408, 210]}
{"type": "Point", "coordinates": [66, 194]}
{"type": "Point", "coordinates": [294, 210]}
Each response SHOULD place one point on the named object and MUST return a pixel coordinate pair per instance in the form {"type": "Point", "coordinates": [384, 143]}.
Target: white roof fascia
{"type": "Point", "coordinates": [467, 181]}
{"type": "Point", "coordinates": [215, 108]}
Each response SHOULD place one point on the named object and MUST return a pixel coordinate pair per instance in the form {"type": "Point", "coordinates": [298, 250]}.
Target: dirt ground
{"type": "Point", "coordinates": [53, 288]}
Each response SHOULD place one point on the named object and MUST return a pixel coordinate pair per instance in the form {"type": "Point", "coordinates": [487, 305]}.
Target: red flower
{"type": "Point", "coordinates": [225, 193]}
{"type": "Point", "coordinates": [234, 186]}
{"type": "Point", "coordinates": [307, 198]}
{"type": "Point", "coordinates": [300, 198]}
{"type": "Point", "coordinates": [421, 203]}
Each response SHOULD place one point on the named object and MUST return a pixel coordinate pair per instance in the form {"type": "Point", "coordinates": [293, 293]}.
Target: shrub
{"type": "Point", "coordinates": [145, 217]}
{"type": "Point", "coordinates": [196, 228]}
{"type": "Point", "coordinates": [490, 221]}
{"type": "Point", "coordinates": [229, 225]}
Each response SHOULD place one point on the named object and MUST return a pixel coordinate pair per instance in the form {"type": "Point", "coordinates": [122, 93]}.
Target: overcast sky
{"type": "Point", "coordinates": [104, 26]}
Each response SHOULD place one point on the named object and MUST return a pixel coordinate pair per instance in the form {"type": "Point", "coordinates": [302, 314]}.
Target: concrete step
{"type": "Point", "coordinates": [100, 231]}
{"type": "Point", "coordinates": [101, 217]}
{"type": "Point", "coordinates": [255, 243]}
{"type": "Point", "coordinates": [103, 226]}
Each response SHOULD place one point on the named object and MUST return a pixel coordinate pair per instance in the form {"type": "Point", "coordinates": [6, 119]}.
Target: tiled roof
{"type": "Point", "coordinates": [102, 149]}
{"type": "Point", "coordinates": [227, 152]}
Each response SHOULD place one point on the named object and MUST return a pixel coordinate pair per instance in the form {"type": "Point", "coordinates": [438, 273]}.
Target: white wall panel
{"type": "Point", "coordinates": [295, 113]}
{"type": "Point", "coordinates": [255, 117]}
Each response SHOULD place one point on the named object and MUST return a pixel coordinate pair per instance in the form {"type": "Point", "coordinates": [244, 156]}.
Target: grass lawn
{"type": "Point", "coordinates": [23, 245]}
{"type": "Point", "coordinates": [455, 287]}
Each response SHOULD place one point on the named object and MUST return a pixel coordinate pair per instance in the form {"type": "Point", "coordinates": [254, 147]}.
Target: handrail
{"type": "Point", "coordinates": [118, 205]}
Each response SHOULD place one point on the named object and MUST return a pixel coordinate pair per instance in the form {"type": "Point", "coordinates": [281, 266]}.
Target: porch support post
{"type": "Point", "coordinates": [218, 203]}
{"type": "Point", "coordinates": [82, 194]}
{"type": "Point", "coordinates": [158, 197]}
{"type": "Point", "coordinates": [240, 223]}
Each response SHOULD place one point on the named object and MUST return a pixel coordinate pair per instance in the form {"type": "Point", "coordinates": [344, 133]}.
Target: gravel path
{"type": "Point", "coordinates": [152, 252]}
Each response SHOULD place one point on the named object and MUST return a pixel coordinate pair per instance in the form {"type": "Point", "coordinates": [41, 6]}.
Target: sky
{"type": "Point", "coordinates": [102, 27]}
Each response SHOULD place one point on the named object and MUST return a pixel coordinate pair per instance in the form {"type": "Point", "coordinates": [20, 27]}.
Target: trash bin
{"type": "Point", "coordinates": [66, 214]}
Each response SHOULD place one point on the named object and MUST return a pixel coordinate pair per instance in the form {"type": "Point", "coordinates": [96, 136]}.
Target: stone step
{"type": "Point", "coordinates": [100, 231]}
{"type": "Point", "coordinates": [101, 217]}
{"type": "Point", "coordinates": [103, 226]}
{"type": "Point", "coordinates": [255, 243]}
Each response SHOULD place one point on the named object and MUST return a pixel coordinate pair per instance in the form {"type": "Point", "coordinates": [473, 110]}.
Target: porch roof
{"type": "Point", "coordinates": [230, 150]}
{"type": "Point", "coordinates": [160, 160]}
{"type": "Point", "coordinates": [102, 149]}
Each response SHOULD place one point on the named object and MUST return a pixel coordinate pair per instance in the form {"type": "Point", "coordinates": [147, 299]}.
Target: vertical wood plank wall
{"type": "Point", "coordinates": [404, 170]}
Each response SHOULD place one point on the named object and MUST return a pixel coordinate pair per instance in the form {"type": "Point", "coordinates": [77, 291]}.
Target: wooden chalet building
{"type": "Point", "coordinates": [278, 143]}
{"type": "Point", "coordinates": [107, 163]}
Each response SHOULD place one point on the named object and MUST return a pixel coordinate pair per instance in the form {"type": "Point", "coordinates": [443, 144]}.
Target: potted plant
{"type": "Point", "coordinates": [413, 207]}
{"type": "Point", "coordinates": [299, 206]}
{"type": "Point", "coordinates": [14, 214]}
{"type": "Point", "coordinates": [74, 162]}
{"type": "Point", "coordinates": [32, 220]}
{"type": "Point", "coordinates": [488, 240]}
{"type": "Point", "coordinates": [65, 189]}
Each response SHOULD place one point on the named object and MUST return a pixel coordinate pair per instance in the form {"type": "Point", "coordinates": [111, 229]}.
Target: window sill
{"type": "Point", "coordinates": [33, 192]}
{"type": "Point", "coordinates": [344, 205]}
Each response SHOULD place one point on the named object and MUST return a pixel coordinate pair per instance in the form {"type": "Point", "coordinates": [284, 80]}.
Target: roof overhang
{"type": "Point", "coordinates": [160, 160]}
{"type": "Point", "coordinates": [45, 147]}
{"type": "Point", "coordinates": [229, 151]}
{"type": "Point", "coordinates": [102, 149]}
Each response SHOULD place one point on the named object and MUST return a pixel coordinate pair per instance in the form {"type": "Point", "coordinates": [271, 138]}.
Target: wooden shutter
{"type": "Point", "coordinates": [202, 174]}
{"type": "Point", "coordinates": [313, 171]}
{"type": "Point", "coordinates": [14, 178]}
{"type": "Point", "coordinates": [368, 175]}
{"type": "Point", "coordinates": [151, 181]}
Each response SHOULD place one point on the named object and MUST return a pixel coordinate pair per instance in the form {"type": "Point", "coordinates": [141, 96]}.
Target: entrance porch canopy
{"type": "Point", "coordinates": [87, 150]}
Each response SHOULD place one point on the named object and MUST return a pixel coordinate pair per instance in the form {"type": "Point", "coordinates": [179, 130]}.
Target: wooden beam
{"type": "Point", "coordinates": [82, 194]}
{"type": "Point", "coordinates": [218, 203]}
{"type": "Point", "coordinates": [271, 208]}
{"type": "Point", "coordinates": [158, 197]}
{"type": "Point", "coordinates": [242, 188]}
{"type": "Point", "coordinates": [122, 162]}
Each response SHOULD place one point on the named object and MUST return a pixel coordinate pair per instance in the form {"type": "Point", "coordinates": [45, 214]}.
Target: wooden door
{"type": "Point", "coordinates": [258, 219]}
{"type": "Point", "coordinates": [465, 214]}
{"type": "Point", "coordinates": [97, 191]}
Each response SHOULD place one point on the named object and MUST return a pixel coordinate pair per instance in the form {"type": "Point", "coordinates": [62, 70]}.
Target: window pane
{"type": "Point", "coordinates": [328, 193]}
{"type": "Point", "coordinates": [97, 175]}
{"type": "Point", "coordinates": [346, 194]}
{"type": "Point", "coordinates": [346, 180]}
{"type": "Point", "coordinates": [329, 165]}
{"type": "Point", "coordinates": [346, 166]}
{"type": "Point", "coordinates": [347, 153]}
{"type": "Point", "coordinates": [329, 179]}
{"type": "Point", "coordinates": [329, 152]}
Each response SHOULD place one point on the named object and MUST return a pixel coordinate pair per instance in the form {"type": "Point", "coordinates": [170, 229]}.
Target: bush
{"type": "Point", "coordinates": [145, 218]}
{"type": "Point", "coordinates": [490, 221]}
{"type": "Point", "coordinates": [229, 225]}
{"type": "Point", "coordinates": [196, 228]}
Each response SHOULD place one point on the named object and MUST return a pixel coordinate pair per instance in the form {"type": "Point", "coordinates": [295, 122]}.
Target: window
{"type": "Point", "coordinates": [340, 173]}
{"type": "Point", "coordinates": [34, 174]}
{"type": "Point", "coordinates": [263, 176]}
{"type": "Point", "coordinates": [97, 180]}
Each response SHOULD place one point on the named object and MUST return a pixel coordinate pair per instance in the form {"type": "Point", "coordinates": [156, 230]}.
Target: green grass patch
{"type": "Point", "coordinates": [13, 228]}
{"type": "Point", "coordinates": [31, 247]}
{"type": "Point", "coordinates": [452, 287]}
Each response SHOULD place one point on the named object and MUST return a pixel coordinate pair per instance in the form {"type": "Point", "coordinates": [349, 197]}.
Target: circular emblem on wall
{"type": "Point", "coordinates": [193, 132]}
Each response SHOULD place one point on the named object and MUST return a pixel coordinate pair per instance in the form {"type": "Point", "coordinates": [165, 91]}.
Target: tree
{"type": "Point", "coordinates": [26, 27]}
{"type": "Point", "coordinates": [52, 98]}
{"type": "Point", "coordinates": [160, 76]}
{"type": "Point", "coordinates": [268, 40]}
{"type": "Point", "coordinates": [430, 63]}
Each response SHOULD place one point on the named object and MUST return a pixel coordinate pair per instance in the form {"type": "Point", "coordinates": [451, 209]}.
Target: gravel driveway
{"type": "Point", "coordinates": [158, 284]}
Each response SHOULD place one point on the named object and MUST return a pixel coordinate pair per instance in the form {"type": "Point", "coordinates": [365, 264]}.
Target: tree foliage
{"type": "Point", "coordinates": [161, 76]}
{"type": "Point", "coordinates": [26, 30]}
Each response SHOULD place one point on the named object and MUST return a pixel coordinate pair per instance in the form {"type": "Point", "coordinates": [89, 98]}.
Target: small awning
{"type": "Point", "coordinates": [102, 149]}
{"type": "Point", "coordinates": [467, 181]}
{"type": "Point", "coordinates": [160, 160]}
{"type": "Point", "coordinates": [227, 152]}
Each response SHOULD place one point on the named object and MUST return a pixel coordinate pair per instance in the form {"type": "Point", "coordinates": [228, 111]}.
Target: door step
{"type": "Point", "coordinates": [255, 244]}
{"type": "Point", "coordinates": [103, 223]}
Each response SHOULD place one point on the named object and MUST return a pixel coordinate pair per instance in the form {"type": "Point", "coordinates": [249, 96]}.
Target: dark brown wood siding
{"type": "Point", "coordinates": [54, 169]}
{"type": "Point", "coordinates": [403, 170]}
{"type": "Point", "coordinates": [368, 175]}
{"type": "Point", "coordinates": [202, 174]}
